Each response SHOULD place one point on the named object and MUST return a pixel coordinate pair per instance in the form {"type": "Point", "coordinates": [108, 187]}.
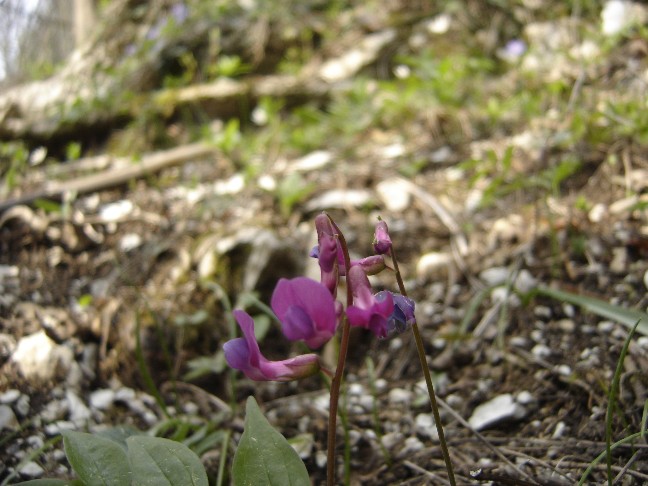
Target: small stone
{"type": "Point", "coordinates": [38, 358]}
{"type": "Point", "coordinates": [597, 213]}
{"type": "Point", "coordinates": [502, 407]}
{"type": "Point", "coordinates": [22, 405]}
{"type": "Point", "coordinates": [619, 263]}
{"type": "Point", "coordinates": [129, 242]}
{"type": "Point", "coordinates": [391, 440]}
{"type": "Point", "coordinates": [525, 397]}
{"type": "Point", "coordinates": [35, 441]}
{"type": "Point", "coordinates": [380, 384]}
{"type": "Point", "coordinates": [433, 265]}
{"type": "Point", "coordinates": [116, 211]}
{"type": "Point", "coordinates": [605, 326]}
{"type": "Point", "coordinates": [79, 412]}
{"type": "Point", "coordinates": [525, 282]}
{"type": "Point", "coordinates": [541, 351]}
{"type": "Point", "coordinates": [320, 459]}
{"type": "Point", "coordinates": [563, 370]}
{"type": "Point", "coordinates": [8, 419]}
{"type": "Point", "coordinates": [394, 194]}
{"type": "Point", "coordinates": [412, 445]}
{"type": "Point", "coordinates": [398, 396]}
{"type": "Point", "coordinates": [102, 399]}
{"type": "Point", "coordinates": [559, 430]}
{"type": "Point", "coordinates": [566, 325]}
{"type": "Point", "coordinates": [495, 276]}
{"type": "Point", "coordinates": [425, 426]}
{"type": "Point", "coordinates": [56, 428]}
{"type": "Point", "coordinates": [10, 396]}
{"type": "Point", "coordinates": [31, 469]}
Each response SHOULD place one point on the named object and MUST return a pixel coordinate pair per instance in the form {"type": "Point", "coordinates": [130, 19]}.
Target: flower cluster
{"type": "Point", "coordinates": [309, 312]}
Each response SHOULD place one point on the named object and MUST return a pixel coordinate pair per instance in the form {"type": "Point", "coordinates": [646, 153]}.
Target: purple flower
{"type": "Point", "coordinates": [382, 242]}
{"type": "Point", "coordinates": [403, 315]}
{"type": "Point", "coordinates": [327, 253]}
{"type": "Point", "coordinates": [179, 12]}
{"type": "Point", "coordinates": [369, 311]}
{"type": "Point", "coordinates": [306, 310]}
{"type": "Point", "coordinates": [244, 354]}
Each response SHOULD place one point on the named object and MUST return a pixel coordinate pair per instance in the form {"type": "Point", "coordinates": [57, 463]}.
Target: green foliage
{"type": "Point", "coordinates": [97, 460]}
{"type": "Point", "coordinates": [264, 456]}
{"type": "Point", "coordinates": [625, 316]}
{"type": "Point", "coordinates": [123, 457]}
{"type": "Point", "coordinates": [13, 161]}
{"type": "Point", "coordinates": [291, 191]}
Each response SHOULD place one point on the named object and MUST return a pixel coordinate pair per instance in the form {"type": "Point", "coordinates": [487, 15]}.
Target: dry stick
{"type": "Point", "coordinates": [149, 164]}
{"type": "Point", "coordinates": [428, 377]}
{"type": "Point", "coordinates": [336, 383]}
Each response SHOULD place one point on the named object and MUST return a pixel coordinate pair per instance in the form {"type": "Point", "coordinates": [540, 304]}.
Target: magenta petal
{"type": "Point", "coordinates": [296, 324]}
{"type": "Point", "coordinates": [244, 354]}
{"type": "Point", "coordinates": [314, 300]}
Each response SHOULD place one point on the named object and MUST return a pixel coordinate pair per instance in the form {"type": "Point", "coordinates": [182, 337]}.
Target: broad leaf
{"type": "Point", "coordinates": [264, 456]}
{"type": "Point", "coordinates": [97, 460]}
{"type": "Point", "coordinates": [50, 482]}
{"type": "Point", "coordinates": [159, 462]}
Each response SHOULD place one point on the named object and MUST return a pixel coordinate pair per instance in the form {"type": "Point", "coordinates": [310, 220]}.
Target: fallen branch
{"type": "Point", "coordinates": [127, 170]}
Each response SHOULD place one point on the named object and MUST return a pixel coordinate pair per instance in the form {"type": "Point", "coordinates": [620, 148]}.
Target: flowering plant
{"type": "Point", "coordinates": [309, 311]}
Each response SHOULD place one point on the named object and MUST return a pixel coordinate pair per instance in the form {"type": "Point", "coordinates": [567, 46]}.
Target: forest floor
{"type": "Point", "coordinates": [508, 172]}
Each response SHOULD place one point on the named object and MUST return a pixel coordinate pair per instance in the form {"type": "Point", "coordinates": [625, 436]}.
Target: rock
{"type": "Point", "coordinates": [425, 426]}
{"type": "Point", "coordinates": [313, 161]}
{"type": "Point", "coordinates": [495, 275]}
{"type": "Point", "coordinates": [31, 469]}
{"type": "Point", "coordinates": [102, 399]}
{"type": "Point", "coordinates": [541, 351]}
{"type": "Point", "coordinates": [394, 194]}
{"type": "Point", "coordinates": [399, 396]}
{"type": "Point", "coordinates": [39, 359]}
{"type": "Point", "coordinates": [7, 346]}
{"type": "Point", "coordinates": [433, 265]}
{"type": "Point", "coordinates": [8, 419]}
{"type": "Point", "coordinates": [597, 213]}
{"type": "Point", "coordinates": [10, 396]}
{"type": "Point", "coordinates": [22, 405]}
{"type": "Point", "coordinates": [501, 408]}
{"type": "Point", "coordinates": [79, 412]}
{"type": "Point", "coordinates": [618, 15]}
{"type": "Point", "coordinates": [340, 198]}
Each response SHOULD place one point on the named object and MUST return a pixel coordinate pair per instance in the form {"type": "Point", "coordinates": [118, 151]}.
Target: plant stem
{"type": "Point", "coordinates": [428, 378]}
{"type": "Point", "coordinates": [336, 382]}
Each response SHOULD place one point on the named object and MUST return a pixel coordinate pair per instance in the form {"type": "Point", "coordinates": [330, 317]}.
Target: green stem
{"type": "Point", "coordinates": [428, 378]}
{"type": "Point", "coordinates": [336, 382]}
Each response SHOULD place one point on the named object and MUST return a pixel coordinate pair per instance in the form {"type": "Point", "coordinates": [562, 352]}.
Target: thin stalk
{"type": "Point", "coordinates": [612, 395]}
{"type": "Point", "coordinates": [336, 382]}
{"type": "Point", "coordinates": [428, 378]}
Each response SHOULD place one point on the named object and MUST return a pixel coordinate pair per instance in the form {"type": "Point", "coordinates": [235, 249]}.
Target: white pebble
{"type": "Point", "coordinates": [502, 407]}
{"type": "Point", "coordinates": [10, 396]}
{"type": "Point", "coordinates": [425, 426]}
{"type": "Point", "coordinates": [400, 396]}
{"type": "Point", "coordinates": [541, 351]}
{"type": "Point", "coordinates": [31, 469]}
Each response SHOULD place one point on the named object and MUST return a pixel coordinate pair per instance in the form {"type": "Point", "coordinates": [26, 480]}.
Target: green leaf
{"type": "Point", "coordinates": [158, 462]}
{"type": "Point", "coordinates": [264, 456]}
{"type": "Point", "coordinates": [48, 482]}
{"type": "Point", "coordinates": [96, 460]}
{"type": "Point", "coordinates": [627, 317]}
